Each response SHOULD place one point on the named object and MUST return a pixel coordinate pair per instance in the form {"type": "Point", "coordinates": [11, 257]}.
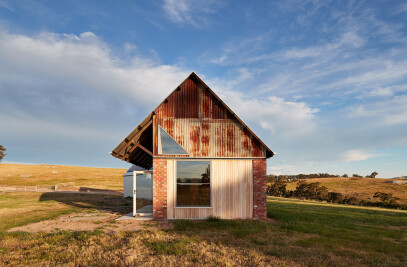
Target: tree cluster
{"type": "Point", "coordinates": [272, 177]}
{"type": "Point", "coordinates": [314, 191]}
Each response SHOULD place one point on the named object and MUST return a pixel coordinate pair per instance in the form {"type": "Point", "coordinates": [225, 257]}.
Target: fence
{"type": "Point", "coordinates": [35, 188]}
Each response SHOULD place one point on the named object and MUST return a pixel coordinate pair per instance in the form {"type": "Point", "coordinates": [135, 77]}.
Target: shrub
{"type": "Point", "coordinates": [335, 197]}
{"type": "Point", "coordinates": [311, 191]}
{"type": "Point", "coordinates": [387, 199]}
{"type": "Point", "coordinates": [278, 188]}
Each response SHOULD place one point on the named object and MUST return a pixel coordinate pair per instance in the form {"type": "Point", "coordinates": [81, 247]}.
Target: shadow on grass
{"type": "Point", "coordinates": [103, 200]}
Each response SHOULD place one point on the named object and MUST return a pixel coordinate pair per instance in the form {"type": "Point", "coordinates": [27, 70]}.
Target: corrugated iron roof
{"type": "Point", "coordinates": [127, 142]}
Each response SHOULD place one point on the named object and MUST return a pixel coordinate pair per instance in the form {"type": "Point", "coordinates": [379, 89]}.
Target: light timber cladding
{"type": "Point", "coordinates": [231, 191]}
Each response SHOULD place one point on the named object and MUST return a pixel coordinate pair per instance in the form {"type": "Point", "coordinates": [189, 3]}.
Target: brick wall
{"type": "Point", "coordinates": [160, 188]}
{"type": "Point", "coordinates": [259, 188]}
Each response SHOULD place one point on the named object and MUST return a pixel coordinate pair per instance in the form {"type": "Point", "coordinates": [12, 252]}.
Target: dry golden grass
{"type": "Point", "coordinates": [102, 178]}
{"type": "Point", "coordinates": [364, 187]}
{"type": "Point", "coordinates": [142, 248]}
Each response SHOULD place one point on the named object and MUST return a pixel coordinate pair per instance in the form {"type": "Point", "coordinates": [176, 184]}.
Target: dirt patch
{"type": "Point", "coordinates": [103, 221]}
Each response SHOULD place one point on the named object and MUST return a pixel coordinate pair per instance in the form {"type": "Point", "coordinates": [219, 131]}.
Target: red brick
{"type": "Point", "coordinates": [160, 188]}
{"type": "Point", "coordinates": [259, 188]}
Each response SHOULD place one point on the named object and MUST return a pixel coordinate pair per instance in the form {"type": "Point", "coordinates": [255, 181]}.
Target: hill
{"type": "Point", "coordinates": [31, 175]}
{"type": "Point", "coordinates": [362, 187]}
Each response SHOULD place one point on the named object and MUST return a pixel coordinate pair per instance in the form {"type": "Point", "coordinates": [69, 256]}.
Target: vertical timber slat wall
{"type": "Point", "coordinates": [231, 191]}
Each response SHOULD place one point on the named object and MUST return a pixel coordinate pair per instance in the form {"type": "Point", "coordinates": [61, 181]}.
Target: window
{"type": "Point", "coordinates": [193, 183]}
{"type": "Point", "coordinates": [167, 145]}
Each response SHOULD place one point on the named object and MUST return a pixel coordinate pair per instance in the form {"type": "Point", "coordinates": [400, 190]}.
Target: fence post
{"type": "Point", "coordinates": [36, 188]}
{"type": "Point", "coordinates": [25, 188]}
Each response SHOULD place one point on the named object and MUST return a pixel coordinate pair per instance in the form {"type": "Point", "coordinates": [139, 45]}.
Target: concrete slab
{"type": "Point", "coordinates": [145, 209]}
{"type": "Point", "coordinates": [141, 217]}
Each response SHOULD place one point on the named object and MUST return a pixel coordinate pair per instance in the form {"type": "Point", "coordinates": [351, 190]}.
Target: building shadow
{"type": "Point", "coordinates": [102, 191]}
{"type": "Point", "coordinates": [91, 199]}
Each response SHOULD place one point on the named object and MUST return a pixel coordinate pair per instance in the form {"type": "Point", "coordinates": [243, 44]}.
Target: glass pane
{"type": "Point", "coordinates": [193, 172]}
{"type": "Point", "coordinates": [169, 145]}
{"type": "Point", "coordinates": [193, 195]}
{"type": "Point", "coordinates": [144, 193]}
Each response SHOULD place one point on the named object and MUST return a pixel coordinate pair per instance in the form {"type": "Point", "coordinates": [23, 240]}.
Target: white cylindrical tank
{"type": "Point", "coordinates": [128, 180]}
{"type": "Point", "coordinates": [128, 184]}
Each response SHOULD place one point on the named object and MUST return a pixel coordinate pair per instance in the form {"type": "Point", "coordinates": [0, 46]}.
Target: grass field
{"type": "Point", "coordinates": [301, 233]}
{"type": "Point", "coordinates": [17, 209]}
{"type": "Point", "coordinates": [102, 178]}
{"type": "Point", "coordinates": [363, 187]}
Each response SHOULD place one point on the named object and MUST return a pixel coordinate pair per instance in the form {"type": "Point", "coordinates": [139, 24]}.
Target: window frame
{"type": "Point", "coordinates": [176, 184]}
{"type": "Point", "coordinates": [159, 144]}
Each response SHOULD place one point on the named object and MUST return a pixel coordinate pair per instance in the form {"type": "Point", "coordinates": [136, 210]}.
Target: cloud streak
{"type": "Point", "coordinates": [191, 12]}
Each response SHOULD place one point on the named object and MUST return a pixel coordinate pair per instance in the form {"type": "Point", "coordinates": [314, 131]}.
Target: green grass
{"type": "Point", "coordinates": [178, 247]}
{"type": "Point", "coordinates": [17, 209]}
{"type": "Point", "coordinates": [369, 236]}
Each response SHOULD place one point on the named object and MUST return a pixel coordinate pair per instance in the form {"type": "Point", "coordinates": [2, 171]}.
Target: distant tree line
{"type": "Point", "coordinates": [2, 154]}
{"type": "Point", "coordinates": [314, 191]}
{"type": "Point", "coordinates": [301, 176]}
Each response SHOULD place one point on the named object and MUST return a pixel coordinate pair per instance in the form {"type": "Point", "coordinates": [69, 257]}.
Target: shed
{"type": "Point", "coordinates": [203, 160]}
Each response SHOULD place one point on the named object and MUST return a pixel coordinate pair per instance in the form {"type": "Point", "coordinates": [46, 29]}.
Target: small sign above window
{"type": "Point", "coordinates": [167, 145]}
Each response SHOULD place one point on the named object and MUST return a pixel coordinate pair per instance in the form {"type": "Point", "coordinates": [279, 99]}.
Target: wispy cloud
{"type": "Point", "coordinates": [276, 115]}
{"type": "Point", "coordinates": [388, 112]}
{"type": "Point", "coordinates": [189, 11]}
{"type": "Point", "coordinates": [355, 155]}
{"type": "Point", "coordinates": [400, 8]}
{"type": "Point", "coordinates": [6, 5]}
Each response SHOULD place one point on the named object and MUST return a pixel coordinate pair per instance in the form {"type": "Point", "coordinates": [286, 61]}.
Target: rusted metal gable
{"type": "Point", "coordinates": [204, 125]}
{"type": "Point", "coordinates": [200, 122]}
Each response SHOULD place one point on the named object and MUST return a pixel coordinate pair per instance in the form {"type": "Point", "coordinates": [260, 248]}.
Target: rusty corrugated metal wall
{"type": "Point", "coordinates": [203, 126]}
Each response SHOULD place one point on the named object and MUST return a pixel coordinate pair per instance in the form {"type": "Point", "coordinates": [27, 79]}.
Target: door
{"type": "Point", "coordinates": [142, 193]}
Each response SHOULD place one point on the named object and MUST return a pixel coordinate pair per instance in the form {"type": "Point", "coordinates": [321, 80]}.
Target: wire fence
{"type": "Point", "coordinates": [35, 188]}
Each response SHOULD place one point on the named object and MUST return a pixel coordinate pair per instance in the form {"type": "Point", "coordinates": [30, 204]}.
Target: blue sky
{"type": "Point", "coordinates": [323, 83]}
